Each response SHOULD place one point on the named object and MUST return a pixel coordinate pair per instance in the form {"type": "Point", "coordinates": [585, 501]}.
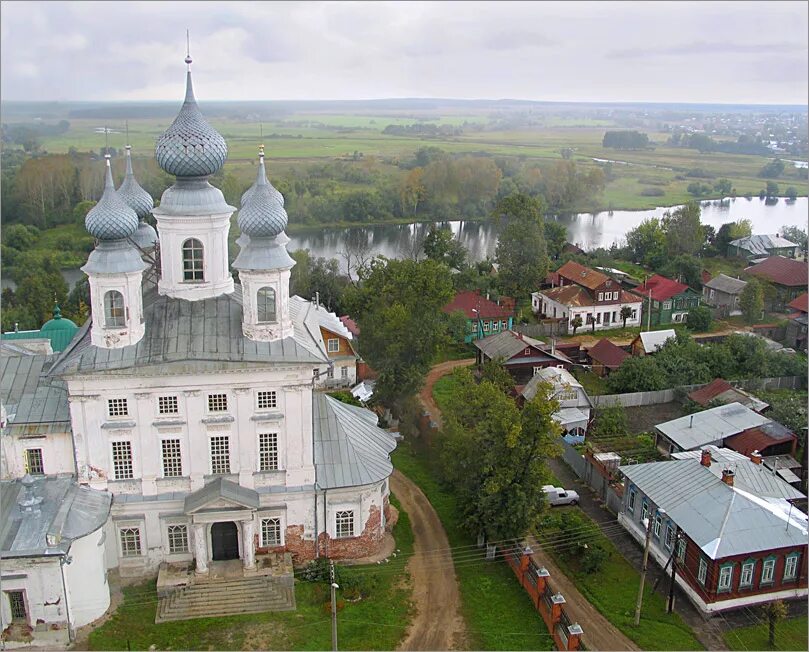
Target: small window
{"type": "Point", "coordinates": [130, 541]}
{"type": "Point", "coordinates": [193, 267]}
{"type": "Point", "coordinates": [658, 523]}
{"type": "Point", "coordinates": [217, 402]}
{"type": "Point", "coordinates": [537, 370]}
{"type": "Point", "coordinates": [220, 455]}
{"type": "Point", "coordinates": [270, 532]}
{"type": "Point", "coordinates": [503, 325]}
{"type": "Point", "coordinates": [725, 578]}
{"type": "Point", "coordinates": [644, 510]}
{"type": "Point", "coordinates": [746, 579]}
{"type": "Point", "coordinates": [527, 352]}
{"type": "Point", "coordinates": [681, 549]}
{"type": "Point", "coordinates": [265, 305]}
{"type": "Point", "coordinates": [344, 373]}
{"type": "Point", "coordinates": [267, 400]}
{"type": "Point", "coordinates": [33, 461]}
{"type": "Point", "coordinates": [632, 499]}
{"type": "Point", "coordinates": [16, 601]}
{"type": "Point", "coordinates": [167, 405]}
{"type": "Point", "coordinates": [122, 460]}
{"type": "Point", "coordinates": [178, 539]}
{"type": "Point", "coordinates": [669, 540]}
{"type": "Point", "coordinates": [114, 313]}
{"type": "Point", "coordinates": [702, 572]}
{"type": "Point", "coordinates": [334, 345]}
{"type": "Point", "coordinates": [485, 327]}
{"type": "Point", "coordinates": [791, 567]}
{"type": "Point", "coordinates": [268, 451]}
{"type": "Point", "coordinates": [768, 571]}
{"type": "Point", "coordinates": [330, 373]}
{"type": "Point", "coordinates": [117, 407]}
{"type": "Point", "coordinates": [172, 458]}
{"type": "Point", "coordinates": [667, 305]}
{"type": "Point", "coordinates": [344, 524]}
{"type": "Point", "coordinates": [601, 296]}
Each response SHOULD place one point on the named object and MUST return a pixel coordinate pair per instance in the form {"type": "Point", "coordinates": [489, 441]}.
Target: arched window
{"type": "Point", "coordinates": [114, 315]}
{"type": "Point", "coordinates": [192, 260]}
{"type": "Point", "coordinates": [265, 304]}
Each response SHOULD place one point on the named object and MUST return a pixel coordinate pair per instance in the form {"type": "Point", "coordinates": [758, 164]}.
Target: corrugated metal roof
{"type": "Point", "coordinates": [310, 318]}
{"type": "Point", "coordinates": [726, 284]}
{"type": "Point", "coordinates": [761, 245]}
{"type": "Point", "coordinates": [708, 426]}
{"type": "Point", "coordinates": [66, 512]}
{"type": "Point", "coordinates": [350, 449]}
{"type": "Point", "coordinates": [653, 340]}
{"type": "Point", "coordinates": [506, 344]}
{"type": "Point", "coordinates": [28, 394]}
{"type": "Point", "coordinates": [722, 520]}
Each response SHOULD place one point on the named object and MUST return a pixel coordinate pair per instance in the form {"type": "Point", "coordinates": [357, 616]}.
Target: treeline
{"type": "Point", "coordinates": [703, 143]}
{"type": "Point", "coordinates": [29, 134]}
{"type": "Point", "coordinates": [625, 140]}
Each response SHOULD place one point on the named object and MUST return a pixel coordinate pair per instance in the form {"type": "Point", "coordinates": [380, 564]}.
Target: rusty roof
{"type": "Point", "coordinates": [582, 275]}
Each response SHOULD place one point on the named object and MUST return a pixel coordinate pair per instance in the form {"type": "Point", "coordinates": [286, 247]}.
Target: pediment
{"type": "Point", "coordinates": [221, 494]}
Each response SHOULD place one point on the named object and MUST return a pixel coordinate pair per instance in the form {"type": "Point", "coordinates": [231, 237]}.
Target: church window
{"type": "Point", "coordinates": [33, 461]}
{"type": "Point", "coordinates": [130, 541]}
{"type": "Point", "coordinates": [114, 314]}
{"type": "Point", "coordinates": [267, 400]}
{"type": "Point", "coordinates": [344, 524]}
{"type": "Point", "coordinates": [117, 407]}
{"type": "Point", "coordinates": [268, 451]}
{"type": "Point", "coordinates": [220, 455]}
{"type": "Point", "coordinates": [172, 458]}
{"type": "Point", "coordinates": [178, 538]}
{"type": "Point", "coordinates": [271, 532]}
{"type": "Point", "coordinates": [16, 601]}
{"type": "Point", "coordinates": [265, 304]}
{"type": "Point", "coordinates": [193, 269]}
{"type": "Point", "coordinates": [167, 405]}
{"type": "Point", "coordinates": [217, 402]}
{"type": "Point", "coordinates": [122, 460]}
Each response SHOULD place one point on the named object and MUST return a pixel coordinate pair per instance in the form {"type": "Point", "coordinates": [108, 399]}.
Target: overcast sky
{"type": "Point", "coordinates": [717, 52]}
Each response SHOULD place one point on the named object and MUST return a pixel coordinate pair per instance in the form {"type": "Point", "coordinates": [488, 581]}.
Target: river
{"type": "Point", "coordinates": [587, 230]}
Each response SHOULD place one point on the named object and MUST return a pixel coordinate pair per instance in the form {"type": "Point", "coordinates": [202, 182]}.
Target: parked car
{"type": "Point", "coordinates": [558, 496]}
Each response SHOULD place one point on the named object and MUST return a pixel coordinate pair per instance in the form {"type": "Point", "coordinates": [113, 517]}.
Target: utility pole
{"type": "Point", "coordinates": [673, 572]}
{"type": "Point", "coordinates": [334, 587]}
{"type": "Point", "coordinates": [646, 547]}
{"type": "Point", "coordinates": [649, 318]}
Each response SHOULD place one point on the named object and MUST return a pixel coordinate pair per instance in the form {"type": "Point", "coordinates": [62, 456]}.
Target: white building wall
{"type": "Point", "coordinates": [88, 592]}
{"type": "Point", "coordinates": [568, 313]}
{"type": "Point", "coordinates": [41, 580]}
{"type": "Point", "coordinates": [57, 453]}
{"type": "Point", "coordinates": [130, 286]}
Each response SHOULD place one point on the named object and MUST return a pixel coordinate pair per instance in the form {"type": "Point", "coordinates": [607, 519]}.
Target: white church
{"type": "Point", "coordinates": [183, 421]}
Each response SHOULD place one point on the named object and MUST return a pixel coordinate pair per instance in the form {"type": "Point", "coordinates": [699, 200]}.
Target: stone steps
{"type": "Point", "coordinates": [226, 598]}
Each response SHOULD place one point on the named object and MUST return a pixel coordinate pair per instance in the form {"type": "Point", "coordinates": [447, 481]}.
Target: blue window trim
{"type": "Point", "coordinates": [669, 528]}
{"type": "Point", "coordinates": [657, 519]}
{"type": "Point", "coordinates": [630, 503]}
{"type": "Point", "coordinates": [792, 555]}
{"type": "Point", "coordinates": [747, 562]}
{"type": "Point", "coordinates": [644, 507]}
{"type": "Point", "coordinates": [729, 588]}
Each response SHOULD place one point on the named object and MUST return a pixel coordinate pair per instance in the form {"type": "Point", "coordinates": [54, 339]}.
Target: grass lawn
{"type": "Point", "coordinates": [377, 622]}
{"type": "Point", "coordinates": [592, 383]}
{"type": "Point", "coordinates": [455, 351]}
{"type": "Point", "coordinates": [790, 634]}
{"type": "Point", "coordinates": [498, 612]}
{"type": "Point", "coordinates": [444, 387]}
{"type": "Point", "coordinates": [613, 590]}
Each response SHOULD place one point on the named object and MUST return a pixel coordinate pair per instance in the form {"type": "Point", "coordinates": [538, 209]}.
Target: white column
{"type": "Point", "coordinates": [248, 544]}
{"type": "Point", "coordinates": [200, 548]}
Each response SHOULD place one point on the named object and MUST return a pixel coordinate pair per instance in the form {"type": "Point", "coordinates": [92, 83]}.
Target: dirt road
{"type": "Point", "coordinates": [438, 624]}
{"type": "Point", "coordinates": [436, 372]}
{"type": "Point", "coordinates": [599, 633]}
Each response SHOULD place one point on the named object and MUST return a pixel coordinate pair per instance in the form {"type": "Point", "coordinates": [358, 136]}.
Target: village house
{"type": "Point", "coordinates": [796, 331]}
{"type": "Point", "coordinates": [733, 426]}
{"type": "Point", "coordinates": [605, 357]}
{"type": "Point", "coordinates": [788, 278]}
{"type": "Point", "coordinates": [720, 391]}
{"type": "Point", "coordinates": [755, 247]}
{"type": "Point", "coordinates": [666, 301]}
{"type": "Point", "coordinates": [520, 355]}
{"type": "Point", "coordinates": [729, 526]}
{"type": "Point", "coordinates": [649, 342]}
{"type": "Point", "coordinates": [483, 316]}
{"type": "Point", "coordinates": [722, 293]}
{"type": "Point", "coordinates": [575, 406]}
{"type": "Point", "coordinates": [590, 295]}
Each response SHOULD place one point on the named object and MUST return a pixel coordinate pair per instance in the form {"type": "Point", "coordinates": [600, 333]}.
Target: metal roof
{"type": "Point", "coordinates": [760, 245]}
{"type": "Point", "coordinates": [262, 174]}
{"type": "Point", "coordinates": [131, 192]}
{"type": "Point", "coordinates": [568, 416]}
{"type": "Point", "coordinates": [204, 335]}
{"type": "Point", "coordinates": [350, 449]}
{"type": "Point", "coordinates": [29, 395]}
{"type": "Point", "coordinates": [722, 520]}
{"type": "Point", "coordinates": [60, 512]}
{"type": "Point", "coordinates": [722, 391]}
{"type": "Point", "coordinates": [220, 488]}
{"type": "Point", "coordinates": [754, 478]}
{"type": "Point", "coordinates": [726, 284]}
{"type": "Point", "coordinates": [708, 426]}
{"type": "Point", "coordinates": [653, 340]}
{"type": "Point", "coordinates": [506, 344]}
{"type": "Point", "coordinates": [559, 379]}
{"type": "Point", "coordinates": [310, 318]}
{"type": "Point", "coordinates": [111, 218]}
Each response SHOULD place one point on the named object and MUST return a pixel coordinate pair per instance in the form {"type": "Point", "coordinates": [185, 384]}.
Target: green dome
{"type": "Point", "coordinates": [58, 323]}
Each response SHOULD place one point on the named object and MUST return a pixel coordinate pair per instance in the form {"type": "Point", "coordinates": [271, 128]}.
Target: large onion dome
{"type": "Point", "coordinates": [261, 176]}
{"type": "Point", "coordinates": [191, 147]}
{"type": "Point", "coordinates": [262, 215]}
{"type": "Point", "coordinates": [110, 218]}
{"type": "Point", "coordinates": [131, 192]}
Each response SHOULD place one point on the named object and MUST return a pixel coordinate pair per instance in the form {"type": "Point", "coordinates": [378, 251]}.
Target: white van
{"type": "Point", "coordinates": [558, 496]}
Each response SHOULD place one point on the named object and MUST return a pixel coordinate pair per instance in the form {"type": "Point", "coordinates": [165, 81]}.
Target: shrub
{"type": "Point", "coordinates": [699, 319]}
{"type": "Point", "coordinates": [593, 558]}
{"type": "Point", "coordinates": [652, 192]}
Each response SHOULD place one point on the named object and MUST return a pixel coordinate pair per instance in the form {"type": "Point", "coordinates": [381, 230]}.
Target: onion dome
{"type": "Point", "coordinates": [262, 215]}
{"type": "Point", "coordinates": [58, 323]}
{"type": "Point", "coordinates": [130, 191]}
{"type": "Point", "coordinates": [261, 177]}
{"type": "Point", "coordinates": [145, 237]}
{"type": "Point", "coordinates": [191, 147]}
{"type": "Point", "coordinates": [110, 218]}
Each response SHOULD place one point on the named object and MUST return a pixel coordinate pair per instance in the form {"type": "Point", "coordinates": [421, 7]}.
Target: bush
{"type": "Point", "coordinates": [593, 558]}
{"type": "Point", "coordinates": [699, 319]}
{"type": "Point", "coordinates": [652, 192]}
{"type": "Point", "coordinates": [318, 570]}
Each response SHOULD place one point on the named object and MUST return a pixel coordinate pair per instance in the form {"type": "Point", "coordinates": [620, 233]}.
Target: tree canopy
{"type": "Point", "coordinates": [521, 250]}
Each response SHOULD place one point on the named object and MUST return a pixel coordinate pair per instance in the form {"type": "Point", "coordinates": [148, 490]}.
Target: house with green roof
{"type": "Point", "coordinates": [54, 336]}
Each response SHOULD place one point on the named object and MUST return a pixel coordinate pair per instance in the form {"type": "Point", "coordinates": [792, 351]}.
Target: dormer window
{"type": "Point", "coordinates": [265, 305]}
{"type": "Point", "coordinates": [114, 313]}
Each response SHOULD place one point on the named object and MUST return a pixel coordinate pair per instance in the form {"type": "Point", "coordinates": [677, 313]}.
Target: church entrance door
{"type": "Point", "coordinates": [225, 541]}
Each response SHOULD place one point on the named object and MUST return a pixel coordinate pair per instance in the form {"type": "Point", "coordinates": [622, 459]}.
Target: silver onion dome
{"type": "Point", "coordinates": [191, 147]}
{"type": "Point", "coordinates": [110, 218]}
{"type": "Point", "coordinates": [131, 192]}
{"type": "Point", "coordinates": [262, 216]}
{"type": "Point", "coordinates": [261, 177]}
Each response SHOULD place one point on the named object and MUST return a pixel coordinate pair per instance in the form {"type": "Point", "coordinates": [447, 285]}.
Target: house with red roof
{"type": "Point", "coordinates": [667, 300]}
{"type": "Point", "coordinates": [483, 316]}
{"type": "Point", "coordinates": [721, 392]}
{"type": "Point", "coordinates": [788, 278]}
{"type": "Point", "coordinates": [605, 357]}
{"type": "Point", "coordinates": [589, 294]}
{"type": "Point", "coordinates": [796, 332]}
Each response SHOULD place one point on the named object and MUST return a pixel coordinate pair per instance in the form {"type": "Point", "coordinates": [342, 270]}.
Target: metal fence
{"type": "Point", "coordinates": [573, 459]}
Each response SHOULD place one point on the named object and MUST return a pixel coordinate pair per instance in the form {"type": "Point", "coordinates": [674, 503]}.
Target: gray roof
{"type": "Point", "coordinates": [66, 512]}
{"type": "Point", "coordinates": [205, 335]}
{"type": "Point", "coordinates": [191, 147]}
{"type": "Point", "coordinates": [220, 488]}
{"type": "Point", "coordinates": [262, 215]}
{"type": "Point", "coordinates": [114, 257]}
{"type": "Point", "coordinates": [310, 318]}
{"type": "Point", "coordinates": [261, 175]}
{"type": "Point", "coordinates": [708, 426]}
{"type": "Point", "coordinates": [653, 340]}
{"type": "Point", "coordinates": [507, 344]}
{"type": "Point", "coordinates": [29, 396]}
{"type": "Point", "coordinates": [726, 284]}
{"type": "Point", "coordinates": [722, 520]}
{"type": "Point", "coordinates": [110, 218]}
{"type": "Point", "coordinates": [263, 253]}
{"type": "Point", "coordinates": [559, 379]}
{"type": "Point", "coordinates": [192, 196]}
{"type": "Point", "coordinates": [131, 193]}
{"type": "Point", "coordinates": [145, 237]}
{"type": "Point", "coordinates": [754, 478]}
{"type": "Point", "coordinates": [761, 245]}
{"type": "Point", "coordinates": [350, 449]}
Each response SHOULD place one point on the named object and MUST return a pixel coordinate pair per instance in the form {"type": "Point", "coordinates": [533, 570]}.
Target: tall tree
{"type": "Point", "coordinates": [751, 300]}
{"type": "Point", "coordinates": [441, 246]}
{"type": "Point", "coordinates": [647, 242]}
{"type": "Point", "coordinates": [521, 250]}
{"type": "Point", "coordinates": [555, 238]}
{"type": "Point", "coordinates": [683, 230]}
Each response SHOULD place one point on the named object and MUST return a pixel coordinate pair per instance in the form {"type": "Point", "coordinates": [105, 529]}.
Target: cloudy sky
{"type": "Point", "coordinates": [718, 52]}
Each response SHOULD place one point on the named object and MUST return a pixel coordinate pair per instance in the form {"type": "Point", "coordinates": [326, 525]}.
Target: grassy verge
{"type": "Point", "coordinates": [498, 612]}
{"type": "Point", "coordinates": [455, 351]}
{"type": "Point", "coordinates": [377, 622]}
{"type": "Point", "coordinates": [444, 387]}
{"type": "Point", "coordinates": [613, 590]}
{"type": "Point", "coordinates": [790, 634]}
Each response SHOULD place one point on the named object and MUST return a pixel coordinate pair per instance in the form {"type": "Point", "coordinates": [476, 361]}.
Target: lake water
{"type": "Point", "coordinates": [587, 230]}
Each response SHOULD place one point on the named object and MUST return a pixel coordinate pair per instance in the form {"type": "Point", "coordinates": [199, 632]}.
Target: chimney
{"type": "Point", "coordinates": [691, 422]}
{"type": "Point", "coordinates": [705, 460]}
{"type": "Point", "coordinates": [317, 300]}
{"type": "Point", "coordinates": [727, 477]}
{"type": "Point", "coordinates": [756, 457]}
